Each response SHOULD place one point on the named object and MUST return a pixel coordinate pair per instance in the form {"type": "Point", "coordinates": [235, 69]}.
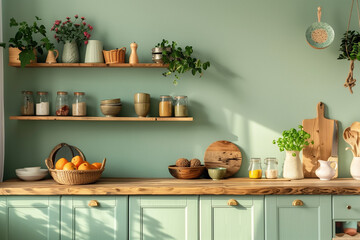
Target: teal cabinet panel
{"type": "Point", "coordinates": [219, 221]}
{"type": "Point", "coordinates": [346, 207]}
{"type": "Point", "coordinates": [106, 221]}
{"type": "Point", "coordinates": [30, 217]}
{"type": "Point", "coordinates": [163, 217]}
{"type": "Point", "coordinates": [312, 221]}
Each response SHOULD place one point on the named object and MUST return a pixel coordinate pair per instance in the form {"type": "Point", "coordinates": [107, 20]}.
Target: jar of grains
{"type": "Point", "coordinates": [180, 106]}
{"type": "Point", "coordinates": [27, 107]}
{"type": "Point", "coordinates": [42, 104]}
{"type": "Point", "coordinates": [255, 168]}
{"type": "Point", "coordinates": [79, 104]}
{"type": "Point", "coordinates": [62, 104]}
{"type": "Point", "coordinates": [272, 168]}
{"type": "Point", "coordinates": [165, 106]}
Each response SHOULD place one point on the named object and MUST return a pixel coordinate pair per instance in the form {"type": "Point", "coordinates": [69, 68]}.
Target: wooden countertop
{"type": "Point", "coordinates": [171, 186]}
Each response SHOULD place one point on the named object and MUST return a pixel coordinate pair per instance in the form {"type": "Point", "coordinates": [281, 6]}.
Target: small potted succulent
{"type": "Point", "coordinates": [72, 34]}
{"type": "Point", "coordinates": [179, 60]}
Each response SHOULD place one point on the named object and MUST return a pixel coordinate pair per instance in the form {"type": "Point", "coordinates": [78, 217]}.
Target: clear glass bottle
{"type": "Point", "coordinates": [27, 107]}
{"type": "Point", "coordinates": [62, 104]}
{"type": "Point", "coordinates": [255, 168]}
{"type": "Point", "coordinates": [165, 106]}
{"type": "Point", "coordinates": [79, 104]}
{"type": "Point", "coordinates": [181, 106]}
{"type": "Point", "coordinates": [42, 104]}
{"type": "Point", "coordinates": [271, 171]}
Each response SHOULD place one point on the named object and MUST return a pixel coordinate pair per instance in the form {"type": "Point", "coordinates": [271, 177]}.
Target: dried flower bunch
{"type": "Point", "coordinates": [72, 30]}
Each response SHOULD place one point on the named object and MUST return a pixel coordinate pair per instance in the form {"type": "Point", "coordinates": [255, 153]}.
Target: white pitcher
{"type": "Point", "coordinates": [94, 52]}
{"type": "Point", "coordinates": [355, 168]}
{"type": "Point", "coordinates": [327, 170]}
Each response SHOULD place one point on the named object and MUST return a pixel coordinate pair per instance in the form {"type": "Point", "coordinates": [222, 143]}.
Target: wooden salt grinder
{"type": "Point", "coordinates": [133, 56]}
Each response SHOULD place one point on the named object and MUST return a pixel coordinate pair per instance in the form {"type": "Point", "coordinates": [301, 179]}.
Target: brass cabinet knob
{"type": "Point", "coordinates": [297, 202]}
{"type": "Point", "coordinates": [348, 207]}
{"type": "Point", "coordinates": [233, 202]}
{"type": "Point", "coordinates": [93, 203]}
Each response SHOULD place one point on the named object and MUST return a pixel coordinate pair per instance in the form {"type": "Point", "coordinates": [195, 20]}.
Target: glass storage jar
{"type": "Point", "coordinates": [42, 104]}
{"type": "Point", "coordinates": [27, 107]}
{"type": "Point", "coordinates": [255, 168]}
{"type": "Point", "coordinates": [79, 104]}
{"type": "Point", "coordinates": [271, 168]}
{"type": "Point", "coordinates": [165, 106]}
{"type": "Point", "coordinates": [62, 104]}
{"type": "Point", "coordinates": [181, 106]}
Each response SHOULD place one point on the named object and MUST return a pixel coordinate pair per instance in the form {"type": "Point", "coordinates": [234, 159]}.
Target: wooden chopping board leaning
{"type": "Point", "coordinates": [324, 133]}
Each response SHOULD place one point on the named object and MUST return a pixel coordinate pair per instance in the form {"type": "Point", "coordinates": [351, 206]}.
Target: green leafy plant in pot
{"type": "Point", "coordinates": [180, 60]}
{"type": "Point", "coordinates": [293, 141]}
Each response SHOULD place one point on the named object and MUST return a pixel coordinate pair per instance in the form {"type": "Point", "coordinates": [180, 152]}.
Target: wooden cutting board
{"type": "Point", "coordinates": [321, 131]}
{"type": "Point", "coordinates": [223, 154]}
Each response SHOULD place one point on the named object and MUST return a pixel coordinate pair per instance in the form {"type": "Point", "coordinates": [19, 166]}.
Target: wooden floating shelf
{"type": "Point", "coordinates": [108, 119]}
{"type": "Point", "coordinates": [91, 65]}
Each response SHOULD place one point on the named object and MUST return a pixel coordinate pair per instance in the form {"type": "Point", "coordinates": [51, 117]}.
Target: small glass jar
{"type": "Point", "coordinates": [62, 104]}
{"type": "Point", "coordinates": [255, 168]}
{"type": "Point", "coordinates": [79, 104]}
{"type": "Point", "coordinates": [181, 106]}
{"type": "Point", "coordinates": [271, 171]}
{"type": "Point", "coordinates": [165, 106]}
{"type": "Point", "coordinates": [42, 104]}
{"type": "Point", "coordinates": [27, 107]}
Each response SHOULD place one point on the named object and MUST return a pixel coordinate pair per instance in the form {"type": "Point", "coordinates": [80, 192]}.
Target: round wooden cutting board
{"type": "Point", "coordinates": [223, 154]}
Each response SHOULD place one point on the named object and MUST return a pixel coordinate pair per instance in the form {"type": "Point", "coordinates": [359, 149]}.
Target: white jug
{"type": "Point", "coordinates": [94, 52]}
{"type": "Point", "coordinates": [327, 170]}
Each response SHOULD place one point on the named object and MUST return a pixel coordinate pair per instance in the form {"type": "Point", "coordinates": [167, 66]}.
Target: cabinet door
{"type": "Point", "coordinates": [29, 217]}
{"type": "Point", "coordinates": [164, 217]}
{"type": "Point", "coordinates": [242, 220]}
{"type": "Point", "coordinates": [94, 217]}
{"type": "Point", "coordinates": [310, 221]}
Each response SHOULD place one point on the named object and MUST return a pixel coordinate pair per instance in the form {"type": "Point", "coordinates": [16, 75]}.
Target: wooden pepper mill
{"type": "Point", "coordinates": [133, 56]}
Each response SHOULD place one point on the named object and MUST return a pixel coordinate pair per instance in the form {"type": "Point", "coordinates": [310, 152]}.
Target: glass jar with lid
{"type": "Point", "coordinates": [255, 168]}
{"type": "Point", "coordinates": [79, 104]}
{"type": "Point", "coordinates": [271, 168]}
{"type": "Point", "coordinates": [62, 104]}
{"type": "Point", "coordinates": [165, 106]}
{"type": "Point", "coordinates": [181, 106]}
{"type": "Point", "coordinates": [42, 104]}
{"type": "Point", "coordinates": [27, 107]}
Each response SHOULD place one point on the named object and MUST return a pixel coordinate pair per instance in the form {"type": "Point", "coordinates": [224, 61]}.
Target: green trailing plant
{"type": "Point", "coordinates": [293, 140]}
{"type": "Point", "coordinates": [24, 40]}
{"type": "Point", "coordinates": [181, 60]}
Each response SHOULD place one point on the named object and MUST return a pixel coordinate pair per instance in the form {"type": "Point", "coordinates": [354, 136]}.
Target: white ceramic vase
{"type": "Point", "coordinates": [355, 168]}
{"type": "Point", "coordinates": [325, 170]}
{"type": "Point", "coordinates": [293, 168]}
{"type": "Point", "coordinates": [94, 52]}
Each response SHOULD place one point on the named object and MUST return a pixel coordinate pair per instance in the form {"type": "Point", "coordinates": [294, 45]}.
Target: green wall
{"type": "Point", "coordinates": [264, 78]}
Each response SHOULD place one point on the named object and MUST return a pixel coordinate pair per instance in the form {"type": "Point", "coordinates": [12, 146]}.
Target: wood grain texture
{"type": "Point", "coordinates": [321, 130]}
{"type": "Point", "coordinates": [223, 154]}
{"type": "Point", "coordinates": [172, 186]}
{"type": "Point", "coordinates": [119, 119]}
{"type": "Point", "coordinates": [90, 65]}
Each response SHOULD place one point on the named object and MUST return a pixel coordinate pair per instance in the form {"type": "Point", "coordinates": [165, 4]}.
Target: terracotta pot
{"type": "Point", "coordinates": [14, 56]}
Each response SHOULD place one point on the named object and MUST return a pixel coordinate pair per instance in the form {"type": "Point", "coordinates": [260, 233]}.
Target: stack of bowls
{"type": "Point", "coordinates": [31, 173]}
{"type": "Point", "coordinates": [111, 107]}
{"type": "Point", "coordinates": [142, 104]}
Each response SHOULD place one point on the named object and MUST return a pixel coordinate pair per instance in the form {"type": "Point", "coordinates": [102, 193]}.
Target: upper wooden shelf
{"type": "Point", "coordinates": [111, 119]}
{"type": "Point", "coordinates": [91, 65]}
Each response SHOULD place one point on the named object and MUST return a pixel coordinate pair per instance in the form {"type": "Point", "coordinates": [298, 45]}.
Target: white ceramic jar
{"type": "Point", "coordinates": [355, 168]}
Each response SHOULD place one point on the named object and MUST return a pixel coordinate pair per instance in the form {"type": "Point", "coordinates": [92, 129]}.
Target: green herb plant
{"type": "Point", "coordinates": [293, 140]}
{"type": "Point", "coordinates": [181, 61]}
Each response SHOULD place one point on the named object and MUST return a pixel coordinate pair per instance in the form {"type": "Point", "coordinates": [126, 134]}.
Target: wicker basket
{"type": "Point", "coordinates": [72, 177]}
{"type": "Point", "coordinates": [115, 56]}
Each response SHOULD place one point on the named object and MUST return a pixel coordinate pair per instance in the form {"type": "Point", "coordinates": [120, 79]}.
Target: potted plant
{"type": "Point", "coordinates": [293, 142]}
{"type": "Point", "coordinates": [179, 60]}
{"type": "Point", "coordinates": [23, 47]}
{"type": "Point", "coordinates": [72, 34]}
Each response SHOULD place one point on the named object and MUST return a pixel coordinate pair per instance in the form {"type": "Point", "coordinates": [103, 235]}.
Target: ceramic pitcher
{"type": "Point", "coordinates": [94, 52]}
{"type": "Point", "coordinates": [292, 166]}
{"type": "Point", "coordinates": [326, 170]}
{"type": "Point", "coordinates": [355, 168]}
{"type": "Point", "coordinates": [70, 52]}
{"type": "Point", "coordinates": [51, 58]}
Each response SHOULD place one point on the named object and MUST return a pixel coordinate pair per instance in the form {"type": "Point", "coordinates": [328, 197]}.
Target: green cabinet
{"type": "Point", "coordinates": [231, 217]}
{"type": "Point", "coordinates": [29, 217]}
{"type": "Point", "coordinates": [94, 217]}
{"type": "Point", "coordinates": [163, 217]}
{"type": "Point", "coordinates": [298, 217]}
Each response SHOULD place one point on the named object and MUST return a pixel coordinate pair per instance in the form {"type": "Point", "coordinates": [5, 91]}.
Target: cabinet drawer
{"type": "Point", "coordinates": [346, 207]}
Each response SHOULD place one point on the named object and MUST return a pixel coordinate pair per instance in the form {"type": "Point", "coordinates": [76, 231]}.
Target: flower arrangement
{"type": "Point", "coordinates": [72, 30]}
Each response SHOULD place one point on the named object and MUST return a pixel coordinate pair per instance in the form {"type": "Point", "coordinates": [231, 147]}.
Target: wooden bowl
{"type": "Point", "coordinates": [186, 172]}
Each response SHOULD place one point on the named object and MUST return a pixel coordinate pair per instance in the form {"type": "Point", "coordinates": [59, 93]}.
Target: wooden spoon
{"type": "Point", "coordinates": [355, 126]}
{"type": "Point", "coordinates": [351, 138]}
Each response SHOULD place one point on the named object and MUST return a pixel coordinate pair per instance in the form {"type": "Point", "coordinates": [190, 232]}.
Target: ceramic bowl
{"type": "Point", "coordinates": [110, 101]}
{"type": "Point", "coordinates": [186, 172]}
{"type": "Point", "coordinates": [110, 111]}
{"type": "Point", "coordinates": [142, 109]}
{"type": "Point", "coordinates": [217, 173]}
{"type": "Point", "coordinates": [141, 98]}
{"type": "Point", "coordinates": [33, 170]}
{"type": "Point", "coordinates": [29, 176]}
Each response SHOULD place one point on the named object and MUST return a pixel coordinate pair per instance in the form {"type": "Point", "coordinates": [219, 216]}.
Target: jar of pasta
{"type": "Point", "coordinates": [255, 168]}
{"type": "Point", "coordinates": [180, 106]}
{"type": "Point", "coordinates": [165, 106]}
